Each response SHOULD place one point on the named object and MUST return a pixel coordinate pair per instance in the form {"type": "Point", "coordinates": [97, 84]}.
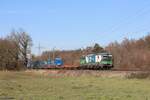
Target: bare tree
{"type": "Point", "coordinates": [23, 44]}
{"type": "Point", "coordinates": [131, 54]}
{"type": "Point", "coordinates": [7, 55]}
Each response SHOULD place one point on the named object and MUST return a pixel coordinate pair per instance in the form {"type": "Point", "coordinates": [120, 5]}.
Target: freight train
{"type": "Point", "coordinates": [47, 64]}
{"type": "Point", "coordinates": [90, 61]}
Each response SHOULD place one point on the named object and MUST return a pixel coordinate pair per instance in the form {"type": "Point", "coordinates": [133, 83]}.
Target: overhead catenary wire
{"type": "Point", "coordinates": [129, 19]}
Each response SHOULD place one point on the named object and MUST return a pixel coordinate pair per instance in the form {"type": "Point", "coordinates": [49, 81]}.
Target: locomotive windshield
{"type": "Point", "coordinates": [107, 57]}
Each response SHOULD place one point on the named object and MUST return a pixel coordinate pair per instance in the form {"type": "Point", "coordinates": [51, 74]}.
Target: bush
{"type": "Point", "coordinates": [140, 75]}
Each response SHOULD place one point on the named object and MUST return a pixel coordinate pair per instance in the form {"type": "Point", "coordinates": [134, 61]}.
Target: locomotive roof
{"type": "Point", "coordinates": [104, 53]}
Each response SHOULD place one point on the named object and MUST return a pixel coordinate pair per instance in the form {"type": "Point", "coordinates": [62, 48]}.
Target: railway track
{"type": "Point", "coordinates": [93, 69]}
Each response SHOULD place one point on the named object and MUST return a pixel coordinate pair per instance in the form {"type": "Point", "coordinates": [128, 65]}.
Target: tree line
{"type": "Point", "coordinates": [14, 50]}
{"type": "Point", "coordinates": [131, 54]}
{"type": "Point", "coordinates": [128, 54]}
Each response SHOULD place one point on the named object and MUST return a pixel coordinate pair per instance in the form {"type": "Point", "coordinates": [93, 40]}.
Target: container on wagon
{"type": "Point", "coordinates": [58, 62]}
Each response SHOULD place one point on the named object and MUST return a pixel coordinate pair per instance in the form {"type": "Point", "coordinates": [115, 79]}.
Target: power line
{"type": "Point", "coordinates": [128, 19]}
{"type": "Point", "coordinates": [39, 48]}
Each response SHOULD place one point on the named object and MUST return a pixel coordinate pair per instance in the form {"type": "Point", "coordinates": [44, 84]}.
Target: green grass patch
{"type": "Point", "coordinates": [28, 86]}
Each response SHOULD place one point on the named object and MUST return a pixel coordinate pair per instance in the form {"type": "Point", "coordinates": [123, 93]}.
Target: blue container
{"type": "Point", "coordinates": [58, 62]}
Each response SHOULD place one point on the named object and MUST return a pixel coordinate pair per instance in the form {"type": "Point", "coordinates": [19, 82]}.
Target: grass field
{"type": "Point", "coordinates": [29, 86]}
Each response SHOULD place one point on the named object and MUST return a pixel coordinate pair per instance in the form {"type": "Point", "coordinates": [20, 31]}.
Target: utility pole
{"type": "Point", "coordinates": [49, 56]}
{"type": "Point", "coordinates": [83, 51]}
{"type": "Point", "coordinates": [53, 53]}
{"type": "Point", "coordinates": [39, 49]}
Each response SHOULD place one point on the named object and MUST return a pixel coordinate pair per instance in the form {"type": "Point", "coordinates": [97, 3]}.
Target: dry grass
{"type": "Point", "coordinates": [71, 85]}
{"type": "Point", "coordinates": [77, 73]}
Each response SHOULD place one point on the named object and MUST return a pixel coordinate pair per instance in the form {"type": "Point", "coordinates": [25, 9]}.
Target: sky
{"type": "Point", "coordinates": [72, 24]}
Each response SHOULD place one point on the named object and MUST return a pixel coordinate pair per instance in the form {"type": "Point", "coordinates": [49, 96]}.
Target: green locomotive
{"type": "Point", "coordinates": [97, 61]}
